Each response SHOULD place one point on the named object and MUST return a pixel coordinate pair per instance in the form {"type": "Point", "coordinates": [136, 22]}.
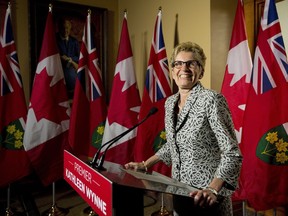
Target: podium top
{"type": "Point", "coordinates": [147, 181]}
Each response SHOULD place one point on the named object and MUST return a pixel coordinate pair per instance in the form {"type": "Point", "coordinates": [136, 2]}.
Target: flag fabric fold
{"type": "Point", "coordinates": [124, 103]}
{"type": "Point", "coordinates": [46, 132]}
{"type": "Point", "coordinates": [89, 108]}
{"type": "Point", "coordinates": [265, 124]}
{"type": "Point", "coordinates": [151, 134]}
{"type": "Point", "coordinates": [236, 82]}
{"type": "Point", "coordinates": [14, 162]}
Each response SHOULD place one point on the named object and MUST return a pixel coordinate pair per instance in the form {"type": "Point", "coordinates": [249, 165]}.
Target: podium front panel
{"type": "Point", "coordinates": [95, 189]}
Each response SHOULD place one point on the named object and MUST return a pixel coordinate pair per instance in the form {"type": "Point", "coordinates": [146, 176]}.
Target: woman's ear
{"type": "Point", "coordinates": [202, 73]}
{"type": "Point", "coordinates": [172, 73]}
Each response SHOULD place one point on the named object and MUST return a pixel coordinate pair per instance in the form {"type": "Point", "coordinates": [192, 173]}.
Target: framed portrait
{"type": "Point", "coordinates": [77, 15]}
{"type": "Point", "coordinates": [259, 7]}
{"type": "Point", "coordinates": [3, 8]}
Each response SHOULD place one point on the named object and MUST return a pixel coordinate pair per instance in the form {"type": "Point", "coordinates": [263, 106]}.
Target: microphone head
{"type": "Point", "coordinates": [153, 110]}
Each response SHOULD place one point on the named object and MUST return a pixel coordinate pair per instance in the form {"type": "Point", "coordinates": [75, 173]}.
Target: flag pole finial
{"type": "Point", "coordinates": [160, 8]}
{"type": "Point", "coordinates": [9, 4]}
{"type": "Point", "coordinates": [89, 12]}
{"type": "Point", "coordinates": [50, 7]}
{"type": "Point", "coordinates": [125, 13]}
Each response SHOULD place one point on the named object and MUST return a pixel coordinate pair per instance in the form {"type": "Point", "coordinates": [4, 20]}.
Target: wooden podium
{"type": "Point", "coordinates": [116, 191]}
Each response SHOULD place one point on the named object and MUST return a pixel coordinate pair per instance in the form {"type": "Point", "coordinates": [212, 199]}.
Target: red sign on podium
{"type": "Point", "coordinates": [94, 188]}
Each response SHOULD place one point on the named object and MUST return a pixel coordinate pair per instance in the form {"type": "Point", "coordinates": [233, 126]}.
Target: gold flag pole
{"type": "Point", "coordinates": [88, 210]}
{"type": "Point", "coordinates": [162, 211]}
{"type": "Point", "coordinates": [8, 211]}
{"type": "Point", "coordinates": [55, 210]}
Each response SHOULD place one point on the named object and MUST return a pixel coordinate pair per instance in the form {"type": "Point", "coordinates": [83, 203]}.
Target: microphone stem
{"type": "Point", "coordinates": [94, 160]}
{"type": "Point", "coordinates": [102, 158]}
{"type": "Point", "coordinates": [99, 165]}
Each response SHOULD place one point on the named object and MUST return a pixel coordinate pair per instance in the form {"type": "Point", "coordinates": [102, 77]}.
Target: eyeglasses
{"type": "Point", "coordinates": [190, 64]}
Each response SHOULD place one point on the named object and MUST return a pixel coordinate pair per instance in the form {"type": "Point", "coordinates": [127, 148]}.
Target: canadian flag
{"type": "Point", "coordinates": [124, 103]}
{"type": "Point", "coordinates": [46, 134]}
{"type": "Point", "coordinates": [236, 82]}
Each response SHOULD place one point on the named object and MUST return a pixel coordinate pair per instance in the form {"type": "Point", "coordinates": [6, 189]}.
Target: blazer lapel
{"type": "Point", "coordinates": [170, 112]}
{"type": "Point", "coordinates": [184, 114]}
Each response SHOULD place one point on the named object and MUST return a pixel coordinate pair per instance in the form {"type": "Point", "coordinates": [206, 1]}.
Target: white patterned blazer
{"type": "Point", "coordinates": [201, 141]}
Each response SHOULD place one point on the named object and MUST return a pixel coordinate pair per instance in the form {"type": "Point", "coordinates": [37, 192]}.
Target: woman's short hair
{"type": "Point", "coordinates": [197, 51]}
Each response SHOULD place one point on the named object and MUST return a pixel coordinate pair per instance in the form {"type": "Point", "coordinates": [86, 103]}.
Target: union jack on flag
{"type": "Point", "coordinates": [158, 69]}
{"type": "Point", "coordinates": [8, 58]}
{"type": "Point", "coordinates": [270, 44]}
{"type": "Point", "coordinates": [89, 66]}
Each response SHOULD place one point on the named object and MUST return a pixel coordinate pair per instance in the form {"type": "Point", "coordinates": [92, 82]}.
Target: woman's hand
{"type": "Point", "coordinates": [144, 165]}
{"type": "Point", "coordinates": [204, 198]}
{"type": "Point", "coordinates": [136, 166]}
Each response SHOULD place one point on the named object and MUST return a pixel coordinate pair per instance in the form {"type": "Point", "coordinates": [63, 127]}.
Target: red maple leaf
{"type": "Point", "coordinates": [49, 101]}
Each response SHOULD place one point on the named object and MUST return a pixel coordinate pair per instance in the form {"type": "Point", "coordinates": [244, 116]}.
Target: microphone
{"type": "Point", "coordinates": [99, 165]}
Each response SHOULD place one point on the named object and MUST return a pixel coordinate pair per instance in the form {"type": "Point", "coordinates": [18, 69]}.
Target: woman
{"type": "Point", "coordinates": [201, 142]}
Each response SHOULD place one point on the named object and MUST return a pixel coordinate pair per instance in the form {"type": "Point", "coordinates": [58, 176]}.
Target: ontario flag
{"type": "Point", "coordinates": [14, 163]}
{"type": "Point", "coordinates": [46, 132]}
{"type": "Point", "coordinates": [236, 82]}
{"type": "Point", "coordinates": [124, 103]}
{"type": "Point", "coordinates": [89, 108]}
{"type": "Point", "coordinates": [151, 134]}
{"type": "Point", "coordinates": [265, 125]}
